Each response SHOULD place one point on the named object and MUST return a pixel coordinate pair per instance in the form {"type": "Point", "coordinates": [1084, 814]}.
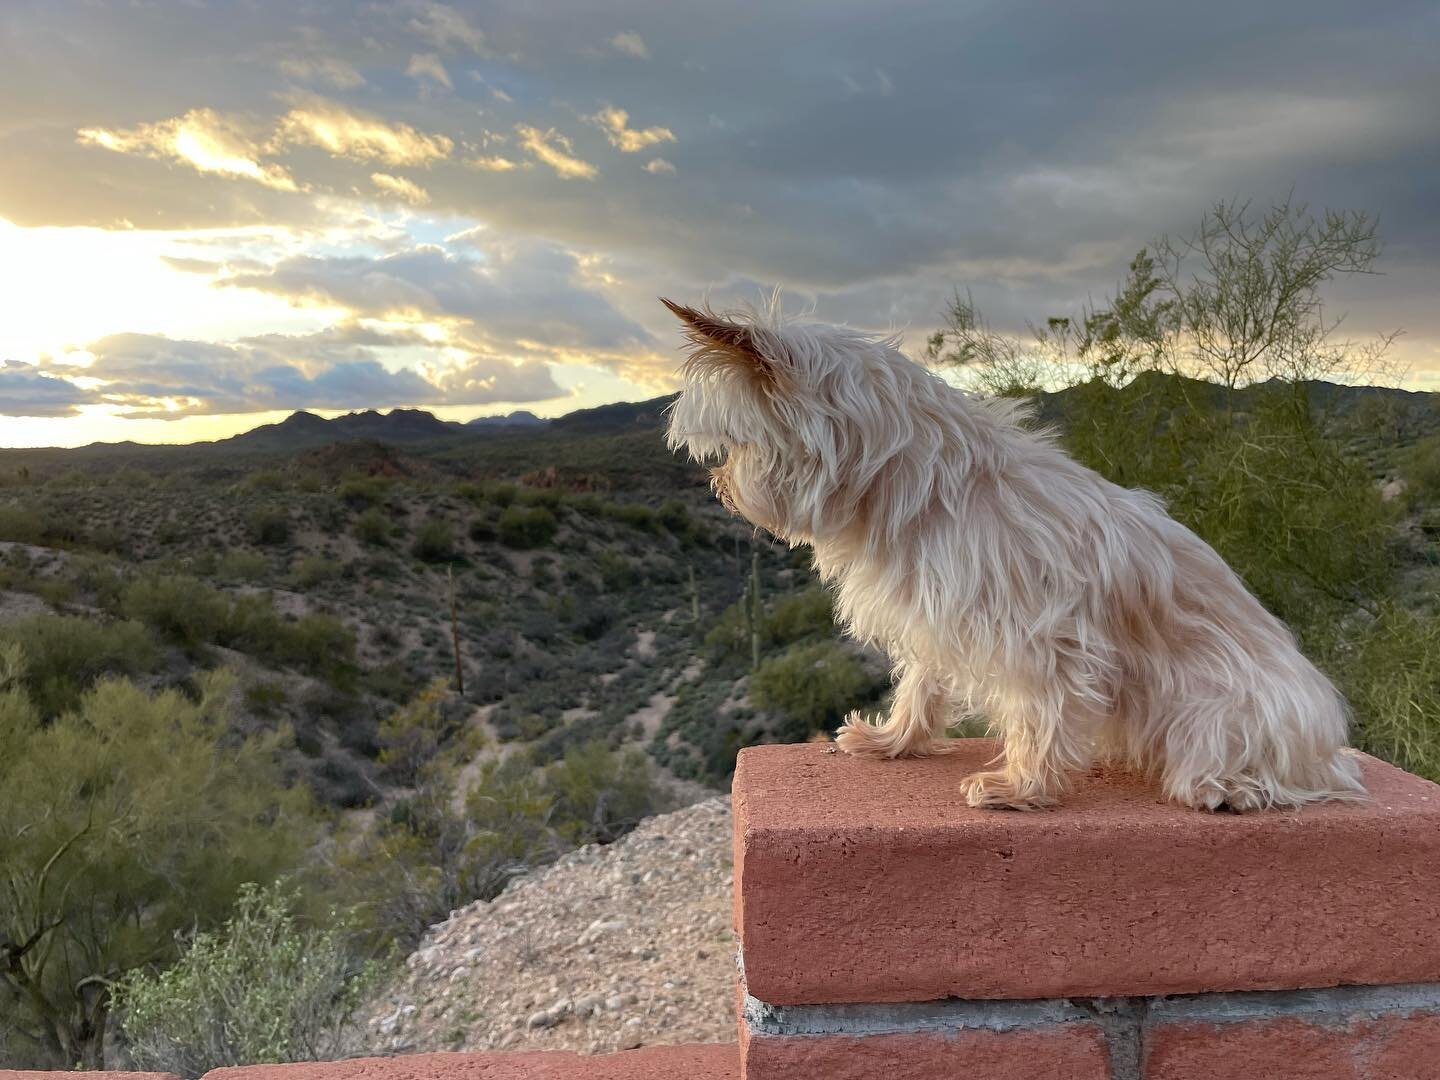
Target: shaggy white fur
{"type": "Point", "coordinates": [1003, 578]}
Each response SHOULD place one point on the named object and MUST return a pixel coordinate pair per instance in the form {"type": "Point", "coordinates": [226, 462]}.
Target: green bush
{"type": "Point", "coordinates": [246, 566]}
{"type": "Point", "coordinates": [363, 492]}
{"type": "Point", "coordinates": [812, 687]}
{"type": "Point", "coordinates": [801, 616]}
{"type": "Point", "coordinates": [434, 541]}
{"type": "Point", "coordinates": [21, 525]}
{"type": "Point", "coordinates": [1390, 673]}
{"type": "Point", "coordinates": [179, 608]}
{"type": "Point", "coordinates": [263, 988]}
{"type": "Point", "coordinates": [601, 795]}
{"type": "Point", "coordinates": [268, 525]}
{"type": "Point", "coordinates": [373, 527]}
{"type": "Point", "coordinates": [65, 655]}
{"type": "Point", "coordinates": [314, 570]}
{"type": "Point", "coordinates": [124, 821]}
{"type": "Point", "coordinates": [523, 527]}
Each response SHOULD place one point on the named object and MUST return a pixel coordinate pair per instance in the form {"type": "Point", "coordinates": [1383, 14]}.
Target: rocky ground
{"type": "Point", "coordinates": [610, 948]}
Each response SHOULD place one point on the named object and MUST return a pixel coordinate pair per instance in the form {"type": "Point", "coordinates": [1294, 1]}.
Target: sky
{"type": "Point", "coordinates": [215, 213]}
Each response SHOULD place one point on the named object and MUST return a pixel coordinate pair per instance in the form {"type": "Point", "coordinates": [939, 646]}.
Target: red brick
{"type": "Point", "coordinates": [650, 1063]}
{"type": "Point", "coordinates": [1383, 1048]}
{"type": "Point", "coordinates": [1071, 1052]}
{"type": "Point", "coordinates": [863, 881]}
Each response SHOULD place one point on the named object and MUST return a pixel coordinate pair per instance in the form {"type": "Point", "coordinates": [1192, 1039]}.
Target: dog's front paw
{"type": "Point", "coordinates": [997, 790]}
{"type": "Point", "coordinates": [861, 737]}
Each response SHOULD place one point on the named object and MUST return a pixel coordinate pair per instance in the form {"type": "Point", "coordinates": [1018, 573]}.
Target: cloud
{"type": "Point", "coordinates": [516, 297]}
{"type": "Point", "coordinates": [155, 377]}
{"type": "Point", "coordinates": [631, 44]}
{"type": "Point", "coordinates": [203, 139]}
{"type": "Point", "coordinates": [27, 392]}
{"type": "Point", "coordinates": [555, 150]}
{"type": "Point", "coordinates": [424, 66]}
{"type": "Point", "coordinates": [659, 166]}
{"type": "Point", "coordinates": [327, 69]}
{"type": "Point", "coordinates": [494, 163]}
{"type": "Point", "coordinates": [445, 27]}
{"type": "Point", "coordinates": [399, 186]}
{"type": "Point", "coordinates": [614, 122]}
{"type": "Point", "coordinates": [317, 121]}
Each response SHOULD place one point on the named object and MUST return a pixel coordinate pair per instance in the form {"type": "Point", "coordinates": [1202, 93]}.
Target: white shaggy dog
{"type": "Point", "coordinates": [1004, 578]}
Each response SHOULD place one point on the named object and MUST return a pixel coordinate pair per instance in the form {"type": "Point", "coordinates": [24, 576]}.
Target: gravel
{"type": "Point", "coordinates": [608, 949]}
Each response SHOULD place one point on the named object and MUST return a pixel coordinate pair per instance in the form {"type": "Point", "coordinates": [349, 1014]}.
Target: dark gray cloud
{"type": "Point", "coordinates": [27, 392]}
{"type": "Point", "coordinates": [158, 377]}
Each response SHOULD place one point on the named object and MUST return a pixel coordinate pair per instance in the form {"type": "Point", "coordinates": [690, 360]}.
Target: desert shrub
{"type": "Point", "coordinates": [599, 794]}
{"type": "Point", "coordinates": [141, 814]}
{"type": "Point", "coordinates": [1421, 470]}
{"type": "Point", "coordinates": [434, 541]}
{"type": "Point", "coordinates": [246, 566]}
{"type": "Point", "coordinates": [373, 527]}
{"type": "Point", "coordinates": [484, 528]}
{"type": "Point", "coordinates": [21, 525]}
{"type": "Point", "coordinates": [1390, 673]}
{"type": "Point", "coordinates": [674, 515]}
{"type": "Point", "coordinates": [65, 655]}
{"type": "Point", "coordinates": [268, 480]}
{"type": "Point", "coordinates": [313, 570]}
{"type": "Point", "coordinates": [363, 492]}
{"type": "Point", "coordinates": [315, 642]}
{"type": "Point", "coordinates": [411, 736]}
{"type": "Point", "coordinates": [268, 525]}
{"type": "Point", "coordinates": [265, 987]}
{"type": "Point", "coordinates": [549, 498]}
{"type": "Point", "coordinates": [503, 495]}
{"type": "Point", "coordinates": [806, 614]}
{"type": "Point", "coordinates": [523, 527]}
{"type": "Point", "coordinates": [812, 687]}
{"type": "Point", "coordinates": [181, 609]}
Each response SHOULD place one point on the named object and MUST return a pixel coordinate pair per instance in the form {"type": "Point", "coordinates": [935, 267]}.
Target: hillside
{"type": "Point", "coordinates": [608, 949]}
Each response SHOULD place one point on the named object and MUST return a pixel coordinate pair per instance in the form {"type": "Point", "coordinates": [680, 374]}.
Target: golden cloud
{"type": "Point", "coordinates": [400, 187]}
{"type": "Point", "coordinates": [203, 139]}
{"type": "Point", "coordinates": [494, 163]}
{"type": "Point", "coordinates": [615, 123]}
{"type": "Point", "coordinates": [319, 122]}
{"type": "Point", "coordinates": [555, 150]}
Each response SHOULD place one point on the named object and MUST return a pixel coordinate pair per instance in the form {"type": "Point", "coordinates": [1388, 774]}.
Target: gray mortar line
{"type": "Point", "coordinates": [1124, 1020]}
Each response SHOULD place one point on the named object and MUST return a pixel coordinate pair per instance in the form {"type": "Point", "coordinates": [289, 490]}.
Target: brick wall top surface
{"type": "Point", "coordinates": [872, 881]}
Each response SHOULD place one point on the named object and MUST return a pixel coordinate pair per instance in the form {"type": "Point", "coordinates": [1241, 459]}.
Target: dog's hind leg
{"type": "Point", "coordinates": [915, 727]}
{"type": "Point", "coordinates": [1048, 735]}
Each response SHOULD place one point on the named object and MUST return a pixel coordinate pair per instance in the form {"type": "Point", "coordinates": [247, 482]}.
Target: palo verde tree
{"type": "Point", "coordinates": [125, 821]}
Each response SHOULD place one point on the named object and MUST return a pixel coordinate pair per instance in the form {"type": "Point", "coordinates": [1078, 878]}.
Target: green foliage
{"type": "Point", "coordinates": [523, 527]}
{"type": "Point", "coordinates": [65, 655]}
{"type": "Point", "coordinates": [269, 525]}
{"type": "Point", "coordinates": [1390, 672]}
{"type": "Point", "coordinates": [373, 527]}
{"type": "Point", "coordinates": [242, 566]}
{"type": "Point", "coordinates": [411, 736]}
{"type": "Point", "coordinates": [21, 525]}
{"type": "Point", "coordinates": [124, 821]}
{"type": "Point", "coordinates": [179, 608]}
{"type": "Point", "coordinates": [812, 687]}
{"type": "Point", "coordinates": [434, 541]}
{"type": "Point", "coordinates": [263, 988]}
{"type": "Point", "coordinates": [601, 795]}
{"type": "Point", "coordinates": [1421, 470]}
{"type": "Point", "coordinates": [315, 570]}
{"type": "Point", "coordinates": [364, 492]}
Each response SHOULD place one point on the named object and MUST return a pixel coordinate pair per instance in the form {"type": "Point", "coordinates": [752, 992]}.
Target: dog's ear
{"type": "Point", "coordinates": [710, 332]}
